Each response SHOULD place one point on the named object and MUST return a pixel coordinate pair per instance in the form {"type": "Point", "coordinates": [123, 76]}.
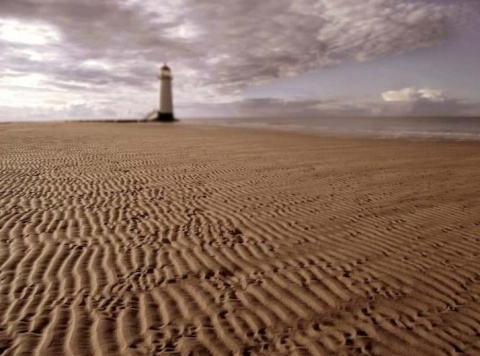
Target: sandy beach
{"type": "Point", "coordinates": [146, 239]}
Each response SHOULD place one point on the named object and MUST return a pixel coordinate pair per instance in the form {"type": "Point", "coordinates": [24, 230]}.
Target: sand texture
{"type": "Point", "coordinates": [144, 239]}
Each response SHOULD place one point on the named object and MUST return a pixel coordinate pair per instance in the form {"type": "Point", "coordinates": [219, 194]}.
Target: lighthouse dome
{"type": "Point", "coordinates": [165, 72]}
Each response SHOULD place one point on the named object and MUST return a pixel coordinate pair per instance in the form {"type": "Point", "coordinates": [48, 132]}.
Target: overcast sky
{"type": "Point", "coordinates": [99, 58]}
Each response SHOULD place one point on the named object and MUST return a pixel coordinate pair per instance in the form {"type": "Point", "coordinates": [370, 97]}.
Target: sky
{"type": "Point", "coordinates": [86, 59]}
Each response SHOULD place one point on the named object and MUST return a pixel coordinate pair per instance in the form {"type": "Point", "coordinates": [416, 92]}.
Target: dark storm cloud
{"type": "Point", "coordinates": [238, 41]}
{"type": "Point", "coordinates": [251, 42]}
{"type": "Point", "coordinates": [90, 30]}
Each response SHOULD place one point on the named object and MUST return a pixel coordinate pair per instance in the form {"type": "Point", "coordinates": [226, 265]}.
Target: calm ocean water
{"type": "Point", "coordinates": [453, 128]}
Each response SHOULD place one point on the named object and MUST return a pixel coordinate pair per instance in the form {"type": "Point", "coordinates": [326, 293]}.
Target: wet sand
{"type": "Point", "coordinates": [143, 239]}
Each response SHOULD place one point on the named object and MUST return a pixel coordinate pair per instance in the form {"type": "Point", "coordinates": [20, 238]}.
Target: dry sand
{"type": "Point", "coordinates": [148, 238]}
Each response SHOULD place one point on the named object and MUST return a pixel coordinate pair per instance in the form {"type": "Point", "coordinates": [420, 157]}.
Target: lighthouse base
{"type": "Point", "coordinates": [165, 117]}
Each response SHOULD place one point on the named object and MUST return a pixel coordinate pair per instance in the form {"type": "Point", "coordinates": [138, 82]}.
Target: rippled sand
{"type": "Point", "coordinates": [142, 239]}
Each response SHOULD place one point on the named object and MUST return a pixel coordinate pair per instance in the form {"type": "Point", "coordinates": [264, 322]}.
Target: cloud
{"type": "Point", "coordinates": [414, 95]}
{"type": "Point", "coordinates": [310, 108]}
{"type": "Point", "coordinates": [252, 43]}
{"type": "Point", "coordinates": [30, 34]}
{"type": "Point", "coordinates": [424, 102]}
{"type": "Point", "coordinates": [222, 47]}
{"type": "Point", "coordinates": [72, 106]}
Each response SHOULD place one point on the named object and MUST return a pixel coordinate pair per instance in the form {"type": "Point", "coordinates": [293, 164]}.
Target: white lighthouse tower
{"type": "Point", "coordinates": [166, 98]}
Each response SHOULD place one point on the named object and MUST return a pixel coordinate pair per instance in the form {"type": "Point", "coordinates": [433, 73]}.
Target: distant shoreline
{"type": "Point", "coordinates": [292, 126]}
{"type": "Point", "coordinates": [438, 128]}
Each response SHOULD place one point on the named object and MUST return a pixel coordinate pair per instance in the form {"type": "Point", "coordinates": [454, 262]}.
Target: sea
{"type": "Point", "coordinates": [436, 128]}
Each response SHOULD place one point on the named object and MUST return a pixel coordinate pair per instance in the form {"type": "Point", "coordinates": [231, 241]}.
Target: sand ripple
{"type": "Point", "coordinates": [149, 239]}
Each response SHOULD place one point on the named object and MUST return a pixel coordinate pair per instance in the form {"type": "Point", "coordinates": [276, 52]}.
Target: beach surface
{"type": "Point", "coordinates": [144, 239]}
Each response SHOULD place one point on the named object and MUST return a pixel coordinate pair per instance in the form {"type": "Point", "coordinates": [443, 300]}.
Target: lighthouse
{"type": "Point", "coordinates": [165, 113]}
